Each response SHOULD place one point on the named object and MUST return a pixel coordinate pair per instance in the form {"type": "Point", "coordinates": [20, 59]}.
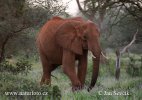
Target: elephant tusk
{"type": "Point", "coordinates": [92, 55]}
{"type": "Point", "coordinates": [104, 55]}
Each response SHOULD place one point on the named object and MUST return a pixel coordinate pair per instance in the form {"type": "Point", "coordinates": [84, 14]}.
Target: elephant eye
{"type": "Point", "coordinates": [84, 37]}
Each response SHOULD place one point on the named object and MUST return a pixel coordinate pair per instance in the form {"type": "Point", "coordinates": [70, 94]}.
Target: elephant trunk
{"type": "Point", "coordinates": [96, 61]}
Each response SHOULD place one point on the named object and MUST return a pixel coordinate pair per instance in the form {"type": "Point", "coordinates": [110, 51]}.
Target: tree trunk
{"type": "Point", "coordinates": [2, 53]}
{"type": "Point", "coordinates": [117, 71]}
{"type": "Point", "coordinates": [119, 53]}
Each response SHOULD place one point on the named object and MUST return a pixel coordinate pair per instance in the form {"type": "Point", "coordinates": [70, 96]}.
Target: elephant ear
{"type": "Point", "coordinates": [67, 38]}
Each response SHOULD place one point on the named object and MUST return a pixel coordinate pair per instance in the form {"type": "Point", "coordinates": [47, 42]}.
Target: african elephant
{"type": "Point", "coordinates": [62, 42]}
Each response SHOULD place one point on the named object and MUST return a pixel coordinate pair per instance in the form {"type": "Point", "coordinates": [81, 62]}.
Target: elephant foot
{"type": "Point", "coordinates": [76, 87]}
{"type": "Point", "coordinates": [45, 80]}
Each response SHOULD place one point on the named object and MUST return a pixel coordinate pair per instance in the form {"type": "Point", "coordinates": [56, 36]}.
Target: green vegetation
{"type": "Point", "coordinates": [14, 84]}
{"type": "Point", "coordinates": [107, 82]}
{"type": "Point", "coordinates": [21, 66]}
{"type": "Point", "coordinates": [61, 87]}
{"type": "Point", "coordinates": [135, 66]}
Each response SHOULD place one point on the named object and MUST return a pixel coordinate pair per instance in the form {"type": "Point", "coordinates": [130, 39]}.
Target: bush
{"type": "Point", "coordinates": [134, 67]}
{"type": "Point", "coordinates": [21, 66]}
{"type": "Point", "coordinates": [13, 83]}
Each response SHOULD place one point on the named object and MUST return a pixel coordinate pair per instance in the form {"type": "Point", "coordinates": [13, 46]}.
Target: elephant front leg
{"type": "Point", "coordinates": [82, 67]}
{"type": "Point", "coordinates": [68, 63]}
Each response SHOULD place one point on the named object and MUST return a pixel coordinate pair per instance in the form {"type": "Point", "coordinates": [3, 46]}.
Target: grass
{"type": "Point", "coordinates": [106, 82]}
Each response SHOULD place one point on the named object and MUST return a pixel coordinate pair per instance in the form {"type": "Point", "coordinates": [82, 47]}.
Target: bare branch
{"type": "Point", "coordinates": [119, 53]}
{"type": "Point", "coordinates": [132, 13]}
{"type": "Point", "coordinates": [79, 6]}
{"type": "Point", "coordinates": [117, 15]}
{"type": "Point", "coordinates": [127, 46]}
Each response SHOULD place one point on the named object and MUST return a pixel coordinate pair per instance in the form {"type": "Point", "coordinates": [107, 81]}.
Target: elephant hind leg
{"type": "Point", "coordinates": [46, 78]}
{"type": "Point", "coordinates": [47, 66]}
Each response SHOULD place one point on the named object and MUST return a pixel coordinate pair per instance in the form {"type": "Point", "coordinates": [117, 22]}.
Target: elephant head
{"type": "Point", "coordinates": [78, 35]}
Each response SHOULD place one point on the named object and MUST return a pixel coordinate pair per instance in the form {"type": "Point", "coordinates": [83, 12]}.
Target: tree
{"type": "Point", "coordinates": [19, 16]}
{"type": "Point", "coordinates": [97, 10]}
{"type": "Point", "coordinates": [101, 7]}
{"type": "Point", "coordinates": [11, 23]}
{"type": "Point", "coordinates": [110, 14]}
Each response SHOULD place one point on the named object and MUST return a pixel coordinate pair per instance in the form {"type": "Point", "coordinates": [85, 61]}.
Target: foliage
{"type": "Point", "coordinates": [26, 89]}
{"type": "Point", "coordinates": [21, 66]}
{"type": "Point", "coordinates": [117, 20]}
{"type": "Point", "coordinates": [135, 67]}
{"type": "Point", "coordinates": [105, 82]}
{"type": "Point", "coordinates": [21, 19]}
{"type": "Point", "coordinates": [39, 11]}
